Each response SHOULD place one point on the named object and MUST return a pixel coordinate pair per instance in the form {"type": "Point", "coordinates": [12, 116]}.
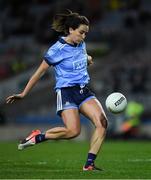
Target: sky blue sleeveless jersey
{"type": "Point", "coordinates": [69, 62]}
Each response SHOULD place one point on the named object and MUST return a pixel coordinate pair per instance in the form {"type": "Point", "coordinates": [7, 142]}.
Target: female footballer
{"type": "Point", "coordinates": [69, 58]}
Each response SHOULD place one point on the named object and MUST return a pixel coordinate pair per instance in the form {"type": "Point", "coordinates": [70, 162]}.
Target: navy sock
{"type": "Point", "coordinates": [90, 159]}
{"type": "Point", "coordinates": [40, 138]}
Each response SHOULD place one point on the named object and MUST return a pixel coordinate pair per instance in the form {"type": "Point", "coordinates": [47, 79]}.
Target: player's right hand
{"type": "Point", "coordinates": [14, 97]}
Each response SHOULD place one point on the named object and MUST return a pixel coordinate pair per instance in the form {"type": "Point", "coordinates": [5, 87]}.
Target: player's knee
{"type": "Point", "coordinates": [74, 133]}
{"type": "Point", "coordinates": [104, 121]}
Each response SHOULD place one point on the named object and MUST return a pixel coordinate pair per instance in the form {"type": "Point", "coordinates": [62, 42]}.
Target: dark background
{"type": "Point", "coordinates": [119, 41]}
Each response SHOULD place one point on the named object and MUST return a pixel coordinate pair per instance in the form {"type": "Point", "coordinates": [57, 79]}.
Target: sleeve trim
{"type": "Point", "coordinates": [47, 61]}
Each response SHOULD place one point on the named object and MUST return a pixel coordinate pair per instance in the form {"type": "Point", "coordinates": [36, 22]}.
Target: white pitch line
{"type": "Point", "coordinates": [139, 160]}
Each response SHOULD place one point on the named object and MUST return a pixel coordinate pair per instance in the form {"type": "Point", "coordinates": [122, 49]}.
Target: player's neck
{"type": "Point", "coordinates": [69, 40]}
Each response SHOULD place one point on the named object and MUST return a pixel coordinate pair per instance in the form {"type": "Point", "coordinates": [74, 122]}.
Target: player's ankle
{"type": "Point", "coordinates": [40, 138]}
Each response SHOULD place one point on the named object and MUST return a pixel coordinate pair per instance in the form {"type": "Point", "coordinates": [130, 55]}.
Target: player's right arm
{"type": "Point", "coordinates": [31, 83]}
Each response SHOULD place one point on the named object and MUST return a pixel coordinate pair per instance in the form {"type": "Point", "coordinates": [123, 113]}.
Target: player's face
{"type": "Point", "coordinates": [78, 34]}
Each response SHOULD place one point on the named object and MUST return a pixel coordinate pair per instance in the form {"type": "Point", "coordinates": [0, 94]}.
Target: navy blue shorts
{"type": "Point", "coordinates": [72, 97]}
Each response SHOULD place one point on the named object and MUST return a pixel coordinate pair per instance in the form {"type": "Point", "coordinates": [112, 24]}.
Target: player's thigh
{"type": "Point", "coordinates": [71, 119]}
{"type": "Point", "coordinates": [93, 110]}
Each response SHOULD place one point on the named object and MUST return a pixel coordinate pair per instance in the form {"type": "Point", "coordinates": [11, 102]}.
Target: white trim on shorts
{"type": "Point", "coordinates": [90, 97]}
{"type": "Point", "coordinates": [60, 105]}
{"type": "Point", "coordinates": [59, 100]}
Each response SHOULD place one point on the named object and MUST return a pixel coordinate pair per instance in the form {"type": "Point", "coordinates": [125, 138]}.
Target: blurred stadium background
{"type": "Point", "coordinates": [119, 40]}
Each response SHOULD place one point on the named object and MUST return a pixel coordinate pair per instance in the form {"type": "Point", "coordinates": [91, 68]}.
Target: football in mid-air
{"type": "Point", "coordinates": [116, 102]}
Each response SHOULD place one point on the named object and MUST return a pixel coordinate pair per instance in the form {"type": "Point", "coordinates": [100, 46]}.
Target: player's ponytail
{"type": "Point", "coordinates": [62, 22]}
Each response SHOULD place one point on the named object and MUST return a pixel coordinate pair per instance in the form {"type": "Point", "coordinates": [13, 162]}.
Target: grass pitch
{"type": "Point", "coordinates": [64, 160]}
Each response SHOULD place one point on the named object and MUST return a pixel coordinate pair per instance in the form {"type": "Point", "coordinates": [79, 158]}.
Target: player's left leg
{"type": "Point", "coordinates": [93, 110]}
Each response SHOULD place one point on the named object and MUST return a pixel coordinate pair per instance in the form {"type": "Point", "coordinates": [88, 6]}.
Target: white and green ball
{"type": "Point", "coordinates": [116, 102]}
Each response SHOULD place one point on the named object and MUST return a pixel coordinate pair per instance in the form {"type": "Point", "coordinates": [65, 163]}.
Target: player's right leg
{"type": "Point", "coordinates": [72, 128]}
{"type": "Point", "coordinates": [68, 110]}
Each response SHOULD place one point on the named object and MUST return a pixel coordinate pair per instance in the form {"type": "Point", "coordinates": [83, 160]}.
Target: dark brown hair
{"type": "Point", "coordinates": [62, 22]}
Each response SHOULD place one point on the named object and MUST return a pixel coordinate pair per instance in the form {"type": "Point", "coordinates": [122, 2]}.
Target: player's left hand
{"type": "Point", "coordinates": [90, 60]}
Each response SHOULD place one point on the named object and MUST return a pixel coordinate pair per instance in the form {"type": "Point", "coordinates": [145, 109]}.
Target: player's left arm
{"type": "Point", "coordinates": [90, 60]}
